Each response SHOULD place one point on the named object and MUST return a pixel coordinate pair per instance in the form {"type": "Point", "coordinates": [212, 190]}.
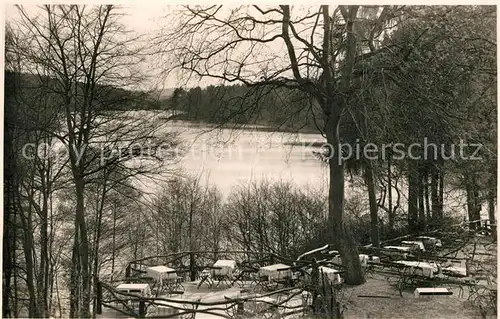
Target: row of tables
{"type": "Point", "coordinates": [421, 244]}
{"type": "Point", "coordinates": [227, 272]}
{"type": "Point", "coordinates": [165, 277]}
{"type": "Point", "coordinates": [420, 268]}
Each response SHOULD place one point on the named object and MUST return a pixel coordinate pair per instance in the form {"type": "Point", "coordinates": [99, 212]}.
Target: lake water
{"type": "Point", "coordinates": [227, 158]}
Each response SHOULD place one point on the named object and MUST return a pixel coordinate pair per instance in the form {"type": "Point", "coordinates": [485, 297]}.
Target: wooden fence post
{"type": "Point", "coordinates": [240, 308]}
{"type": "Point", "coordinates": [127, 271]}
{"type": "Point", "coordinates": [142, 309]}
{"type": "Point", "coordinates": [315, 286]}
{"type": "Point", "coordinates": [99, 298]}
{"type": "Point", "coordinates": [192, 266]}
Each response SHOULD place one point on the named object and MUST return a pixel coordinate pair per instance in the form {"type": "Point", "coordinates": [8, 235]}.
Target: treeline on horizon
{"type": "Point", "coordinates": [108, 97]}
{"type": "Point", "coordinates": [281, 108]}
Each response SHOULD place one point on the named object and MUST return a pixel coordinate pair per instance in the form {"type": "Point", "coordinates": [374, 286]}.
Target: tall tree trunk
{"type": "Point", "coordinates": [343, 240]}
{"type": "Point", "coordinates": [96, 244]}
{"type": "Point", "coordinates": [43, 272]}
{"type": "Point", "coordinates": [412, 196]}
{"type": "Point", "coordinates": [9, 242]}
{"type": "Point", "coordinates": [83, 247]}
{"type": "Point", "coordinates": [28, 248]}
{"type": "Point", "coordinates": [421, 207]}
{"type": "Point", "coordinates": [15, 308]}
{"type": "Point", "coordinates": [441, 194]}
{"type": "Point", "coordinates": [10, 188]}
{"type": "Point", "coordinates": [372, 197]}
{"type": "Point", "coordinates": [52, 276]}
{"type": "Point", "coordinates": [434, 194]}
{"type": "Point", "coordinates": [477, 202]}
{"type": "Point", "coordinates": [389, 194]}
{"type": "Point", "coordinates": [470, 202]}
{"type": "Point", "coordinates": [74, 297]}
{"type": "Point", "coordinates": [113, 242]}
{"type": "Point", "coordinates": [491, 206]}
{"type": "Point", "coordinates": [426, 199]}
{"type": "Point", "coordinates": [9, 233]}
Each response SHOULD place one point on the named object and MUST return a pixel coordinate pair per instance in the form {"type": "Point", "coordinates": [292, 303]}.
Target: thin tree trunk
{"type": "Point", "coordinates": [30, 278]}
{"type": "Point", "coordinates": [8, 250]}
{"type": "Point", "coordinates": [28, 250]}
{"type": "Point", "coordinates": [9, 242]}
{"type": "Point", "coordinates": [372, 197]}
{"type": "Point", "coordinates": [96, 246]}
{"type": "Point", "coordinates": [10, 189]}
{"type": "Point", "coordinates": [59, 305]}
{"type": "Point", "coordinates": [477, 205]}
{"type": "Point", "coordinates": [192, 273]}
{"type": "Point", "coordinates": [15, 308]}
{"type": "Point", "coordinates": [389, 194]}
{"type": "Point", "coordinates": [43, 273]}
{"type": "Point", "coordinates": [113, 243]}
{"type": "Point", "coordinates": [52, 277]}
{"type": "Point", "coordinates": [421, 208]}
{"type": "Point", "coordinates": [83, 248]}
{"type": "Point", "coordinates": [470, 203]}
{"type": "Point", "coordinates": [412, 197]}
{"type": "Point", "coordinates": [51, 290]}
{"type": "Point", "coordinates": [441, 194]}
{"type": "Point", "coordinates": [434, 195]}
{"type": "Point", "coordinates": [426, 199]}
{"type": "Point", "coordinates": [491, 208]}
{"type": "Point", "coordinates": [74, 298]}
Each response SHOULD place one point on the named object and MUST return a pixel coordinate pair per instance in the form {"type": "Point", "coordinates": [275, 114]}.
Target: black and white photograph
{"type": "Point", "coordinates": [267, 161]}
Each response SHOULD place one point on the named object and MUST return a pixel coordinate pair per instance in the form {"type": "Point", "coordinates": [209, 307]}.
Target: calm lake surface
{"type": "Point", "coordinates": [227, 158]}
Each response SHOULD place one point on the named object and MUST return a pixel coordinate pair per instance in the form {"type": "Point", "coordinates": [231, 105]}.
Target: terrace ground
{"type": "Point", "coordinates": [378, 297]}
{"type": "Point", "coordinates": [388, 304]}
{"type": "Point", "coordinates": [406, 306]}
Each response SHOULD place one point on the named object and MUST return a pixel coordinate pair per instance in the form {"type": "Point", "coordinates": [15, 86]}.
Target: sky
{"type": "Point", "coordinates": [138, 17]}
{"type": "Point", "coordinates": [143, 18]}
{"type": "Point", "coordinates": [148, 18]}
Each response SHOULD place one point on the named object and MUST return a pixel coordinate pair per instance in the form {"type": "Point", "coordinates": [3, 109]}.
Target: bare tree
{"type": "Point", "coordinates": [35, 172]}
{"type": "Point", "coordinates": [87, 54]}
{"type": "Point", "coordinates": [188, 216]}
{"type": "Point", "coordinates": [274, 217]}
{"type": "Point", "coordinates": [316, 51]}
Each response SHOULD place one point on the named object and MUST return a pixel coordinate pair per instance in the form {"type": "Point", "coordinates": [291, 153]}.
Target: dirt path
{"type": "Point", "coordinates": [402, 307]}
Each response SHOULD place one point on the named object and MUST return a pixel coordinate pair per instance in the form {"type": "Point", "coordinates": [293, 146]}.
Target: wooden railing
{"type": "Point", "coordinates": [227, 308]}
{"type": "Point", "coordinates": [193, 262]}
{"type": "Point", "coordinates": [140, 306]}
{"type": "Point", "coordinates": [198, 260]}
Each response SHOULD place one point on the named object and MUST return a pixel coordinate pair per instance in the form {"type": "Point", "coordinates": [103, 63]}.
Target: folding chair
{"type": "Point", "coordinates": [191, 310]}
{"type": "Point", "coordinates": [244, 275]}
{"type": "Point", "coordinates": [265, 283]}
{"type": "Point", "coordinates": [206, 277]}
{"type": "Point", "coordinates": [285, 282]}
{"type": "Point", "coordinates": [222, 279]}
{"type": "Point", "coordinates": [174, 283]}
